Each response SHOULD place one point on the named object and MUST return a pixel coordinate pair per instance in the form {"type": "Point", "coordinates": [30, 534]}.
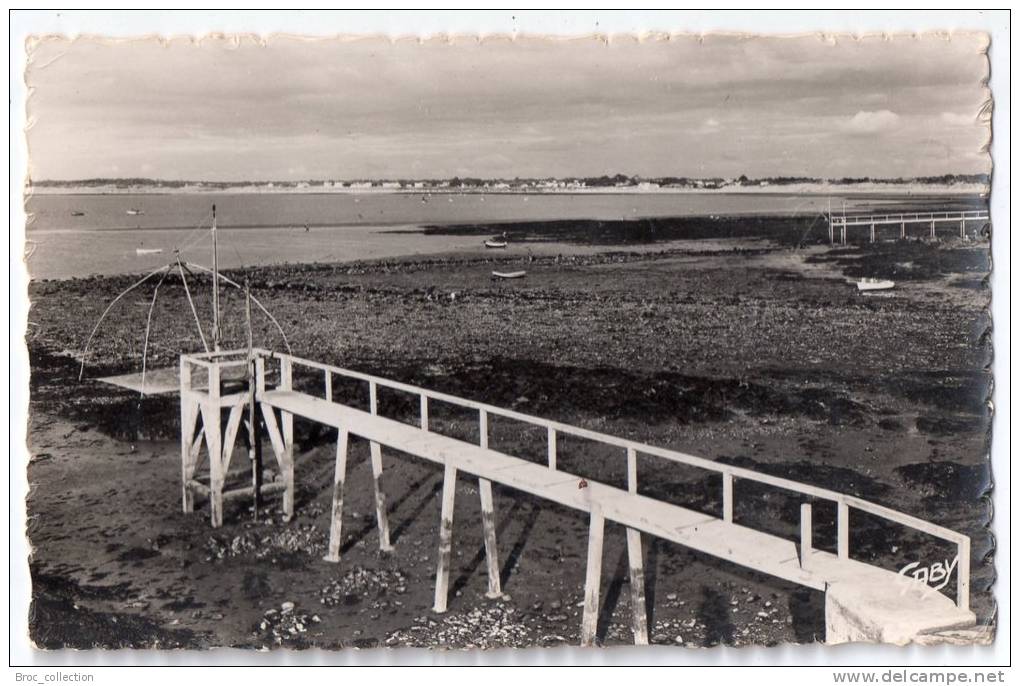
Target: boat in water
{"type": "Point", "coordinates": [148, 251]}
{"type": "Point", "coordinates": [77, 213]}
{"type": "Point", "coordinates": [495, 244]}
{"type": "Point", "coordinates": [509, 275]}
{"type": "Point", "coordinates": [874, 285]}
{"type": "Point", "coordinates": [133, 212]}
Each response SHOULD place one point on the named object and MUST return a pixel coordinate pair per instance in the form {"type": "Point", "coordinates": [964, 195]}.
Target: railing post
{"type": "Point", "coordinates": [727, 497]}
{"type": "Point", "coordinates": [963, 574]}
{"type": "Point", "coordinates": [552, 448]}
{"type": "Point", "coordinates": [424, 411]}
{"type": "Point", "coordinates": [632, 470]}
{"type": "Point", "coordinates": [286, 374]}
{"type": "Point", "coordinates": [805, 534]}
{"type": "Point", "coordinates": [329, 385]}
{"type": "Point", "coordinates": [483, 429]}
{"type": "Point", "coordinates": [842, 530]}
{"type": "Point", "coordinates": [260, 376]}
{"type": "Point", "coordinates": [373, 398]}
{"type": "Point", "coordinates": [963, 228]}
{"type": "Point", "coordinates": [903, 230]}
{"type": "Point", "coordinates": [872, 232]}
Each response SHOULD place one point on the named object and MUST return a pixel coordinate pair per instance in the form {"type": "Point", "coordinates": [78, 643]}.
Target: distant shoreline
{"type": "Point", "coordinates": [790, 189]}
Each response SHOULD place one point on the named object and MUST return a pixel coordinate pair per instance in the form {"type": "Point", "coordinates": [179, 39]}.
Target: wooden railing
{"type": "Point", "coordinates": [632, 451]}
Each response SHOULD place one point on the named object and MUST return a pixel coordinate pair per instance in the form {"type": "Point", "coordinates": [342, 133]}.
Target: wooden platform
{"type": "Point", "coordinates": [909, 605]}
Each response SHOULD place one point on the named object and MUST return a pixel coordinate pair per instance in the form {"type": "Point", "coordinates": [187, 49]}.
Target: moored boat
{"type": "Point", "coordinates": [495, 244]}
{"type": "Point", "coordinates": [874, 285]}
{"type": "Point", "coordinates": [509, 275]}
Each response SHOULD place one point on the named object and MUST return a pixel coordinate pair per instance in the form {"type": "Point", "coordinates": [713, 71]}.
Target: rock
{"type": "Point", "coordinates": [671, 596]}
{"type": "Point", "coordinates": [679, 640]}
{"type": "Point", "coordinates": [287, 607]}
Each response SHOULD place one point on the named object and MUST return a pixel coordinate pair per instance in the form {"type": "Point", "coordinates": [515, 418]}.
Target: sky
{"type": "Point", "coordinates": [231, 109]}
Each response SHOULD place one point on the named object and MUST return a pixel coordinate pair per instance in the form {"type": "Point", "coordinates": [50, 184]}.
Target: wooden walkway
{"type": "Point", "coordinates": [747, 547]}
{"type": "Point", "coordinates": [905, 607]}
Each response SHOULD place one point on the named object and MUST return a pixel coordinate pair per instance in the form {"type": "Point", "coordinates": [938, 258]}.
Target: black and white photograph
{"type": "Point", "coordinates": [514, 341]}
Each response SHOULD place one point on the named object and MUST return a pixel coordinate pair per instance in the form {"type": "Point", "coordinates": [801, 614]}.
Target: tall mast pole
{"type": "Point", "coordinates": [831, 234]}
{"type": "Point", "coordinates": [216, 286]}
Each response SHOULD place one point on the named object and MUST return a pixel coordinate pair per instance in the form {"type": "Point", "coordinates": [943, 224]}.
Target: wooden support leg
{"type": "Point", "coordinates": [287, 420]}
{"type": "Point", "coordinates": [637, 587]}
{"type": "Point", "coordinates": [445, 538]}
{"type": "Point", "coordinates": [336, 521]}
{"type": "Point", "coordinates": [189, 418]}
{"type": "Point", "coordinates": [592, 580]}
{"type": "Point", "coordinates": [214, 444]}
{"type": "Point", "coordinates": [489, 531]}
{"type": "Point", "coordinates": [274, 434]}
{"type": "Point", "coordinates": [380, 498]}
{"type": "Point", "coordinates": [230, 434]}
{"type": "Point", "coordinates": [805, 535]}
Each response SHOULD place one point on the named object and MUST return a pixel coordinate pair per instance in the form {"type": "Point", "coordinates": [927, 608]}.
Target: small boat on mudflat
{"type": "Point", "coordinates": [509, 275]}
{"type": "Point", "coordinates": [495, 244]}
{"type": "Point", "coordinates": [148, 251]}
{"type": "Point", "coordinates": [874, 285]}
{"type": "Point", "coordinates": [77, 213]}
{"type": "Point", "coordinates": [133, 212]}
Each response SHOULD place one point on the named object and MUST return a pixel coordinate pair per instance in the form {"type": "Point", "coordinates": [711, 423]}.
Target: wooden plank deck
{"type": "Point", "coordinates": [762, 552]}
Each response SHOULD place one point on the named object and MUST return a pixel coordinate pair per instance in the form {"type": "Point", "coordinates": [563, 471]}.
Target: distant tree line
{"type": "Point", "coordinates": [604, 181]}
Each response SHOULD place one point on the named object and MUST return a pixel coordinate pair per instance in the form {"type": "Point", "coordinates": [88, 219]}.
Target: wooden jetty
{"type": "Point", "coordinates": [863, 600]}
{"type": "Point", "coordinates": [840, 224]}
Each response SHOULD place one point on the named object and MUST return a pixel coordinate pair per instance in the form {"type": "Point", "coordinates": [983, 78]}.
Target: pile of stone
{"type": "Point", "coordinates": [284, 624]}
{"type": "Point", "coordinates": [301, 538]}
{"type": "Point", "coordinates": [359, 583]}
{"type": "Point", "coordinates": [497, 625]}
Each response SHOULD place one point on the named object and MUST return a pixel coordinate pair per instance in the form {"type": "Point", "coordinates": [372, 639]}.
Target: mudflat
{"type": "Point", "coordinates": [753, 348]}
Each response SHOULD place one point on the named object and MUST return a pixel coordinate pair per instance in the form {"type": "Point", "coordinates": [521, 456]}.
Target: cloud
{"type": "Point", "coordinates": [872, 122]}
{"type": "Point", "coordinates": [528, 107]}
{"type": "Point", "coordinates": [954, 119]}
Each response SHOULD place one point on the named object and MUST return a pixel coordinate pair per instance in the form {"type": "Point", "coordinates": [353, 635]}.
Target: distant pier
{"type": "Point", "coordinates": [840, 225]}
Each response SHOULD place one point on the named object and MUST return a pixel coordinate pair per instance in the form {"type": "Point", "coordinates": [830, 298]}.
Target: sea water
{"type": "Point", "coordinates": [272, 228]}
